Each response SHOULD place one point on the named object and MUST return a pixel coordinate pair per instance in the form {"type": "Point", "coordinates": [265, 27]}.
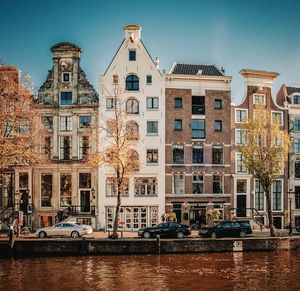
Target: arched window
{"type": "Point", "coordinates": [132, 83]}
{"type": "Point", "coordinates": [132, 130]}
{"type": "Point", "coordinates": [132, 106]}
{"type": "Point", "coordinates": [133, 159]}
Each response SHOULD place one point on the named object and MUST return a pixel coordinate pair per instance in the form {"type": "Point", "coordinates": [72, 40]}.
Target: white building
{"type": "Point", "coordinates": [142, 92]}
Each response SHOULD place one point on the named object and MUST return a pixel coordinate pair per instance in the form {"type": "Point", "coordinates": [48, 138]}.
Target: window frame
{"type": "Point", "coordinates": [152, 133]}
{"type": "Point", "coordinates": [177, 99]}
{"type": "Point", "coordinates": [182, 183]}
{"type": "Point", "coordinates": [60, 98]}
{"type": "Point", "coordinates": [63, 77]}
{"type": "Point", "coordinates": [212, 155]}
{"type": "Point", "coordinates": [201, 182]}
{"type": "Point", "coordinates": [197, 129]}
{"type": "Point", "coordinates": [131, 55]}
{"type": "Point", "coordinates": [179, 147]}
{"type": "Point", "coordinates": [281, 118]}
{"type": "Point", "coordinates": [259, 95]}
{"type": "Point", "coordinates": [151, 99]}
{"type": "Point", "coordinates": [220, 129]}
{"type": "Point", "coordinates": [220, 102]}
{"type": "Point", "coordinates": [148, 77]}
{"type": "Point", "coordinates": [177, 124]}
{"type": "Point", "coordinates": [235, 115]}
{"type": "Point", "coordinates": [135, 80]}
{"type": "Point", "coordinates": [152, 156]}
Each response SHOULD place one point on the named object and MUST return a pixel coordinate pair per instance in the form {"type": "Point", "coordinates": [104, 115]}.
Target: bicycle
{"type": "Point", "coordinates": [25, 231]}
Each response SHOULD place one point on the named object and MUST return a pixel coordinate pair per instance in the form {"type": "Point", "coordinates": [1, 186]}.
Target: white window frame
{"type": "Point", "coordinates": [298, 152]}
{"type": "Point", "coordinates": [151, 133]}
{"type": "Point", "coordinates": [152, 108]}
{"type": "Point", "coordinates": [66, 123]}
{"type": "Point", "coordinates": [281, 206]}
{"type": "Point", "coordinates": [235, 136]}
{"type": "Point", "coordinates": [259, 95]}
{"type": "Point", "coordinates": [295, 94]}
{"type": "Point", "coordinates": [111, 103]}
{"type": "Point", "coordinates": [222, 183]}
{"type": "Point", "coordinates": [173, 185]}
{"type": "Point", "coordinates": [277, 112]}
{"type": "Point", "coordinates": [240, 109]}
{"type": "Point", "coordinates": [198, 182]}
{"type": "Point", "coordinates": [236, 164]}
{"type": "Point", "coordinates": [264, 203]}
{"type": "Point", "coordinates": [62, 77]}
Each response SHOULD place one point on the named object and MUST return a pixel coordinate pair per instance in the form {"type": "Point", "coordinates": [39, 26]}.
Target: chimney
{"type": "Point", "coordinates": [157, 62]}
{"type": "Point", "coordinates": [132, 32]}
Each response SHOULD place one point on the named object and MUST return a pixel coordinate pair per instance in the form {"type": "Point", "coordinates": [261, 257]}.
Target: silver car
{"type": "Point", "coordinates": [69, 229]}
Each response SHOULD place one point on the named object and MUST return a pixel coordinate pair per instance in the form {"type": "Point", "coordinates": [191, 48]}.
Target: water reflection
{"type": "Point", "coordinates": [227, 271]}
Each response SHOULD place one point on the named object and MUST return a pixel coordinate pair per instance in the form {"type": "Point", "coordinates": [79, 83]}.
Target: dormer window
{"type": "Point", "coordinates": [296, 99]}
{"type": "Point", "coordinates": [259, 99]}
{"type": "Point", "coordinates": [132, 83]}
{"type": "Point", "coordinates": [132, 55]}
{"type": "Point", "coordinates": [66, 77]}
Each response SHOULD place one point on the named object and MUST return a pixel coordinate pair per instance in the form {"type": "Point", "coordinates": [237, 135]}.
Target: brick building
{"type": "Point", "coordinates": [198, 144]}
{"type": "Point", "coordinates": [248, 196]}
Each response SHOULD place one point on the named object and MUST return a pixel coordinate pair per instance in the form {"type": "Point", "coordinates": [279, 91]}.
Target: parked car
{"type": "Point", "coordinates": [227, 229]}
{"type": "Point", "coordinates": [69, 229]}
{"type": "Point", "coordinates": [166, 229]}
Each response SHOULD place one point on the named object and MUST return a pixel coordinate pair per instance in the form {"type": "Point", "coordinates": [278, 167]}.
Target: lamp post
{"type": "Point", "coordinates": [290, 196]}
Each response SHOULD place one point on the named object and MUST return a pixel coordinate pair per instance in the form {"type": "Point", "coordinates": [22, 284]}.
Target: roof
{"type": "Point", "coordinates": [65, 46]}
{"type": "Point", "coordinates": [192, 69]}
{"type": "Point", "coordinates": [290, 90]}
{"type": "Point", "coordinates": [258, 73]}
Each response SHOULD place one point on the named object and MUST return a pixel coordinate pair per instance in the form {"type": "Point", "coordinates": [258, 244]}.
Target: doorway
{"type": "Point", "coordinates": [241, 206]}
{"type": "Point", "coordinates": [85, 201]}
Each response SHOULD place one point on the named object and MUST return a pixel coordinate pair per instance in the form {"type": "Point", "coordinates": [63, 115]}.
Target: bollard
{"type": "Point", "coordinates": [158, 244]}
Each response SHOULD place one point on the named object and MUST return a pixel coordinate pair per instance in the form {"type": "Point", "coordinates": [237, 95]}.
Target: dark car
{"type": "Point", "coordinates": [166, 229]}
{"type": "Point", "coordinates": [227, 229]}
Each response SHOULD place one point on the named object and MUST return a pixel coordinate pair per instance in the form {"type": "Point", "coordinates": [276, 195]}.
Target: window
{"type": "Point", "coordinates": [47, 122]}
{"type": "Point", "coordinates": [84, 180]}
{"type": "Point", "coordinates": [277, 193]}
{"type": "Point", "coordinates": [65, 190]}
{"type": "Point", "coordinates": [241, 186]}
{"type": "Point", "coordinates": [110, 103]}
{"type": "Point", "coordinates": [111, 187]}
{"type": "Point", "coordinates": [132, 106]}
{"type": "Point", "coordinates": [65, 98]}
{"type": "Point", "coordinates": [149, 80]}
{"type": "Point", "coordinates": [297, 145]}
{"type": "Point", "coordinates": [132, 130]}
{"type": "Point", "coordinates": [85, 121]}
{"type": "Point", "coordinates": [259, 196]}
{"type": "Point", "coordinates": [297, 124]}
{"type": "Point", "coordinates": [240, 168]}
{"type": "Point", "coordinates": [297, 169]}
{"type": "Point", "coordinates": [198, 184]}
{"type": "Point", "coordinates": [178, 102]}
{"type": "Point", "coordinates": [132, 83]}
{"type": "Point", "coordinates": [218, 125]}
{"type": "Point", "coordinates": [84, 147]}
{"type": "Point", "coordinates": [152, 156]}
{"type": "Point", "coordinates": [47, 147]}
{"type": "Point", "coordinates": [23, 180]}
{"type": "Point", "coordinates": [132, 55]}
{"type": "Point", "coordinates": [65, 123]}
{"type": "Point", "coordinates": [197, 152]}
{"type": "Point", "coordinates": [240, 115]}
{"type": "Point", "coordinates": [24, 126]}
{"type": "Point", "coordinates": [66, 77]}
{"type": "Point", "coordinates": [65, 147]}
{"type": "Point", "coordinates": [240, 137]}
{"type": "Point", "coordinates": [152, 127]}
{"type": "Point", "coordinates": [145, 186]}
{"type": "Point", "coordinates": [198, 105]}
{"type": "Point", "coordinates": [217, 155]}
{"type": "Point", "coordinates": [178, 124]}
{"type": "Point", "coordinates": [178, 184]}
{"type": "Point", "coordinates": [297, 197]}
{"type": "Point", "coordinates": [277, 117]}
{"type": "Point", "coordinates": [296, 99]}
{"type": "Point", "coordinates": [198, 128]}
{"type": "Point", "coordinates": [152, 103]}
{"type": "Point", "coordinates": [218, 103]}
{"type": "Point", "coordinates": [178, 154]}
{"type": "Point", "coordinates": [46, 190]}
{"type": "Point", "coordinates": [259, 99]}
{"type": "Point", "coordinates": [217, 184]}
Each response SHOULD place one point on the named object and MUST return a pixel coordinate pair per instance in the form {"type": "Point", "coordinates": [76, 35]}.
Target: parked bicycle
{"type": "Point", "coordinates": [25, 231]}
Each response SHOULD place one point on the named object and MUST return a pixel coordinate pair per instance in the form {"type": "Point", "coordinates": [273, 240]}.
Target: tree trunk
{"type": "Point", "coordinates": [116, 221]}
{"type": "Point", "coordinates": [269, 209]}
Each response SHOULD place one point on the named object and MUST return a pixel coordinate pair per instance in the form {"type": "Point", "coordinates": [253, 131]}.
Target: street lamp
{"type": "Point", "coordinates": [290, 196]}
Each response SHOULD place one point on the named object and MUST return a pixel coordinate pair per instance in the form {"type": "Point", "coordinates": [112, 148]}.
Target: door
{"type": "Point", "coordinates": [85, 201]}
{"type": "Point", "coordinates": [241, 206]}
{"type": "Point", "coordinates": [277, 222]}
{"type": "Point", "coordinates": [23, 201]}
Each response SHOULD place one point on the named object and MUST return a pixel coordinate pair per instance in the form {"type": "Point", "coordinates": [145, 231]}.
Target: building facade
{"type": "Point", "coordinates": [248, 195]}
{"type": "Point", "coordinates": [289, 97]}
{"type": "Point", "coordinates": [141, 92]}
{"type": "Point", "coordinates": [63, 183]}
{"type": "Point", "coordinates": [198, 145]}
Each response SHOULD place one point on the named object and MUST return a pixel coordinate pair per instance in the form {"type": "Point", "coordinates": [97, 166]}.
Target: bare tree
{"type": "Point", "coordinates": [265, 152]}
{"type": "Point", "coordinates": [117, 153]}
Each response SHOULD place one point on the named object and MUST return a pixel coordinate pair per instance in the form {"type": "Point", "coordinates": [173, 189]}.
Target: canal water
{"type": "Point", "coordinates": [218, 271]}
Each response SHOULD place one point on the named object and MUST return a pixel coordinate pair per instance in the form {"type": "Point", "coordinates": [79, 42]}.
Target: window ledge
{"type": "Point", "coordinates": [152, 109]}
{"type": "Point", "coordinates": [152, 164]}
{"type": "Point", "coordinates": [142, 196]}
{"type": "Point", "coordinates": [152, 134]}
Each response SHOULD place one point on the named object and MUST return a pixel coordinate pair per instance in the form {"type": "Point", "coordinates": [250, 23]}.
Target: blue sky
{"type": "Point", "coordinates": [233, 34]}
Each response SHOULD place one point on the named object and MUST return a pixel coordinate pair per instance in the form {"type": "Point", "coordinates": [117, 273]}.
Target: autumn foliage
{"type": "Point", "coordinates": [18, 132]}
